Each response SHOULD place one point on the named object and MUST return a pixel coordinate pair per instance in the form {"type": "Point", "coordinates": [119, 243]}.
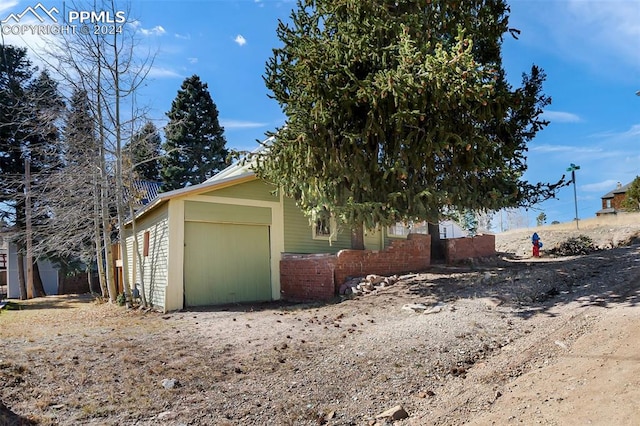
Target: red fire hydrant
{"type": "Point", "coordinates": [537, 244]}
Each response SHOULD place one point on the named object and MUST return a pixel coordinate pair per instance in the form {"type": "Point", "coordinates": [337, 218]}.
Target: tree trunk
{"type": "Point", "coordinates": [106, 234]}
{"type": "Point", "coordinates": [97, 237]}
{"type": "Point", "coordinates": [437, 246]}
{"type": "Point", "coordinates": [124, 255]}
{"type": "Point", "coordinates": [90, 281]}
{"type": "Point", "coordinates": [21, 278]}
{"type": "Point", "coordinates": [104, 182]}
{"type": "Point", "coordinates": [357, 237]}
{"type": "Point", "coordinates": [62, 280]}
{"type": "Point", "coordinates": [38, 287]}
{"type": "Point", "coordinates": [110, 269]}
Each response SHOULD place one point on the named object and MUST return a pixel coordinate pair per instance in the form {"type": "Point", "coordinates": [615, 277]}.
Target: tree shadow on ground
{"type": "Point", "coordinates": [277, 305]}
{"type": "Point", "coordinates": [51, 302]}
{"type": "Point", "coordinates": [605, 278]}
{"type": "Point", "coordinates": [9, 418]}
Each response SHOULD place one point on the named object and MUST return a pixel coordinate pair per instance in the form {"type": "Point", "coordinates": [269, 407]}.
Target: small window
{"type": "Point", "coordinates": [608, 204]}
{"type": "Point", "coordinates": [324, 227]}
{"type": "Point", "coordinates": [401, 230]}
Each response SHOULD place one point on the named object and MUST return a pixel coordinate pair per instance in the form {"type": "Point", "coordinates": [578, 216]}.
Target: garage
{"type": "Point", "coordinates": [226, 263]}
{"type": "Point", "coordinates": [216, 243]}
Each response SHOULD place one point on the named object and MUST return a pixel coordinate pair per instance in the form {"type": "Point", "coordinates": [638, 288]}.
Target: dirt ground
{"type": "Point", "coordinates": [510, 340]}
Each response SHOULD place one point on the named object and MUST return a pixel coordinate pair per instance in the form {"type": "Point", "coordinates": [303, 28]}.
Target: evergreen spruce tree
{"type": "Point", "coordinates": [29, 151]}
{"type": "Point", "coordinates": [42, 146]}
{"type": "Point", "coordinates": [75, 184]}
{"type": "Point", "coordinates": [79, 133]}
{"type": "Point", "coordinates": [74, 203]}
{"type": "Point", "coordinates": [194, 140]}
{"type": "Point", "coordinates": [144, 150]}
{"type": "Point", "coordinates": [400, 110]}
{"type": "Point", "coordinates": [46, 109]}
{"type": "Point", "coordinates": [16, 72]}
{"type": "Point", "coordinates": [631, 200]}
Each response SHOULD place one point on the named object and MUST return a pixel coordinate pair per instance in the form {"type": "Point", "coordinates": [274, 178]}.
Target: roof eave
{"type": "Point", "coordinates": [189, 190]}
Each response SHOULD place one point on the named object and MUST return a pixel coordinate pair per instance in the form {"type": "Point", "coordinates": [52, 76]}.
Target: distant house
{"type": "Point", "coordinates": [142, 191]}
{"type": "Point", "coordinates": [612, 200]}
{"type": "Point", "coordinates": [9, 281]}
{"type": "Point", "coordinates": [9, 270]}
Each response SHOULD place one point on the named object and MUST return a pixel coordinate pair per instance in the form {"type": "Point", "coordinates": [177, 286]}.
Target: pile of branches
{"type": "Point", "coordinates": [574, 246]}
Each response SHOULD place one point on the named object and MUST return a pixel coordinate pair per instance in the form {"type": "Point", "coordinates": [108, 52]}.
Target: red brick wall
{"type": "Point", "coordinates": [618, 200]}
{"type": "Point", "coordinates": [307, 277]}
{"type": "Point", "coordinates": [410, 255]}
{"type": "Point", "coordinates": [318, 277]}
{"type": "Point", "coordinates": [458, 249]}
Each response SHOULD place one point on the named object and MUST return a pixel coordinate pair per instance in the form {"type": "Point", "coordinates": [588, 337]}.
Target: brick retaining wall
{"type": "Point", "coordinates": [318, 277]}
{"type": "Point", "coordinates": [307, 277]}
{"type": "Point", "coordinates": [457, 249]}
{"type": "Point", "coordinates": [410, 255]}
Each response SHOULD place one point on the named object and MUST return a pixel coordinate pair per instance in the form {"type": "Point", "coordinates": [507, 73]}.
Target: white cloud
{"type": "Point", "coordinates": [6, 5]}
{"type": "Point", "coordinates": [239, 124]}
{"type": "Point", "coordinates": [610, 25]}
{"type": "Point", "coordinates": [37, 45]}
{"type": "Point", "coordinates": [615, 136]}
{"type": "Point", "coordinates": [240, 40]}
{"type": "Point", "coordinates": [633, 131]}
{"type": "Point", "coordinates": [160, 72]}
{"type": "Point", "coordinates": [601, 34]}
{"type": "Point", "coordinates": [604, 186]}
{"type": "Point", "coordinates": [183, 36]}
{"type": "Point", "coordinates": [561, 117]}
{"type": "Point", "coordinates": [192, 60]}
{"type": "Point", "coordinates": [155, 31]}
{"type": "Point", "coordinates": [565, 148]}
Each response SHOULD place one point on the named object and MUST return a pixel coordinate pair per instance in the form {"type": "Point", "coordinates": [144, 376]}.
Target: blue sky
{"type": "Point", "coordinates": [590, 51]}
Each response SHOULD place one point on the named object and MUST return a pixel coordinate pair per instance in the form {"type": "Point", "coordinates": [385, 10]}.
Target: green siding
{"type": "Point", "coordinates": [252, 190]}
{"type": "Point", "coordinates": [226, 263]}
{"type": "Point", "coordinates": [227, 213]}
{"type": "Point", "coordinates": [372, 239]}
{"type": "Point", "coordinates": [154, 268]}
{"type": "Point", "coordinates": [298, 236]}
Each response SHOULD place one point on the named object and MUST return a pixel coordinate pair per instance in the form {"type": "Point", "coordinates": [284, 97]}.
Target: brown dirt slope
{"type": "Point", "coordinates": [504, 341]}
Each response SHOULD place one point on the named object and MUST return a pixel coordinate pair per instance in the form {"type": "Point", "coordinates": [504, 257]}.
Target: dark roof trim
{"type": "Point", "coordinates": [622, 190]}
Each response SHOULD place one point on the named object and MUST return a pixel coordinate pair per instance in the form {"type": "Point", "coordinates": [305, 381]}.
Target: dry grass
{"type": "Point", "coordinates": [617, 220]}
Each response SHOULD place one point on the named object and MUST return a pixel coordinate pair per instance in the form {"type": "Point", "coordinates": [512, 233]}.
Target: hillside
{"type": "Point", "coordinates": [512, 340]}
{"type": "Point", "coordinates": [606, 232]}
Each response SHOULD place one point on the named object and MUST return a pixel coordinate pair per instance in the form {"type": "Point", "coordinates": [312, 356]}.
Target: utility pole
{"type": "Point", "coordinates": [572, 168]}
{"type": "Point", "coordinates": [29, 235]}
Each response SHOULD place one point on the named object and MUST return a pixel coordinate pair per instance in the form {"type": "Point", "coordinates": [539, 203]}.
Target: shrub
{"type": "Point", "coordinates": [582, 244]}
{"type": "Point", "coordinates": [121, 299]}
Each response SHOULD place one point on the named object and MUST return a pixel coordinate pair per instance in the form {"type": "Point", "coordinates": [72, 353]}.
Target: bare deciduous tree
{"type": "Point", "coordinates": [110, 69]}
